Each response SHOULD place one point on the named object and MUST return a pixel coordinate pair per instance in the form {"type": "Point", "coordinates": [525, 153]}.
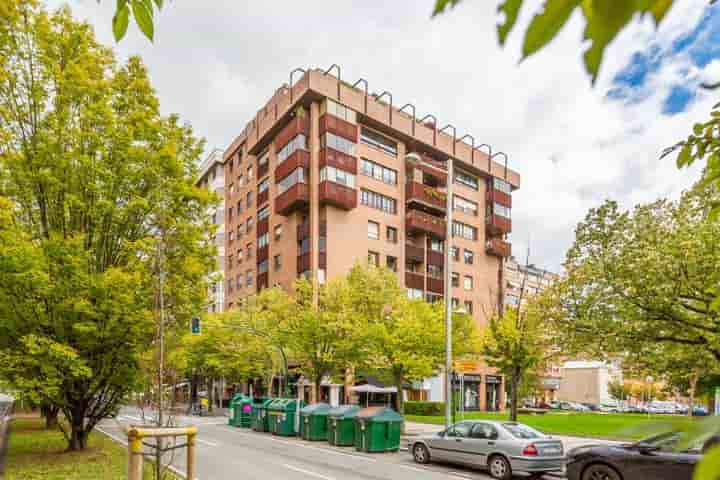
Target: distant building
{"type": "Point", "coordinates": [587, 381]}
{"type": "Point", "coordinates": [212, 176]}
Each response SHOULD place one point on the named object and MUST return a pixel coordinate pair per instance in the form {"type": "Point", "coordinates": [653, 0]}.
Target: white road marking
{"type": "Point", "coordinates": [417, 469]}
{"type": "Point", "coordinates": [307, 472]}
{"type": "Point", "coordinates": [212, 444]}
{"type": "Point", "coordinates": [132, 418]}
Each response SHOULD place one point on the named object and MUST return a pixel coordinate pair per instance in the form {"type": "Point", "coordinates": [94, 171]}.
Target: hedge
{"type": "Point", "coordinates": [424, 408]}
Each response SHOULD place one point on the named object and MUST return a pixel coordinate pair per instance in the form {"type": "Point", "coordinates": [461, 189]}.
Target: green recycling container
{"type": "Point", "coordinates": [313, 422]}
{"type": "Point", "coordinates": [234, 418]}
{"type": "Point", "coordinates": [341, 425]}
{"type": "Point", "coordinates": [243, 412]}
{"type": "Point", "coordinates": [260, 415]}
{"type": "Point", "coordinates": [377, 429]}
{"type": "Point", "coordinates": [281, 413]}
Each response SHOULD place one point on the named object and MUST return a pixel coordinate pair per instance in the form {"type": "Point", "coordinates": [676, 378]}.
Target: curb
{"type": "Point", "coordinates": [4, 435]}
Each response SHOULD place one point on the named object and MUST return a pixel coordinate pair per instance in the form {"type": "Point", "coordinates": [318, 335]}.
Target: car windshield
{"type": "Point", "coordinates": [668, 442]}
{"type": "Point", "coordinates": [518, 430]}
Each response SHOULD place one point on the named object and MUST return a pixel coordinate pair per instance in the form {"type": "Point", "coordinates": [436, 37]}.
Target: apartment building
{"type": "Point", "coordinates": [327, 175]}
{"type": "Point", "coordinates": [212, 176]}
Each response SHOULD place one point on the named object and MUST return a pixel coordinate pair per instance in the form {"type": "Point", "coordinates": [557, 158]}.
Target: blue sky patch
{"type": "Point", "coordinates": [700, 45]}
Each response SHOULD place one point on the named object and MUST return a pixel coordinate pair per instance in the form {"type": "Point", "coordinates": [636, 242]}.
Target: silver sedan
{"type": "Point", "coordinates": [503, 448]}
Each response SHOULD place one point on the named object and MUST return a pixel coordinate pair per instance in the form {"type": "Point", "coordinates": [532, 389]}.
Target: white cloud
{"type": "Point", "coordinates": [217, 62]}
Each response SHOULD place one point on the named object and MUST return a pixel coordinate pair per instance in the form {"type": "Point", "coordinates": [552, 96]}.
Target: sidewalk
{"type": "Point", "coordinates": [413, 429]}
{"type": "Point", "coordinates": [4, 430]}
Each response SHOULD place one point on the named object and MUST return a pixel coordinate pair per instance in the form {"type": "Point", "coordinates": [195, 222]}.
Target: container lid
{"type": "Point", "coordinates": [316, 408]}
{"type": "Point", "coordinates": [379, 414]}
{"type": "Point", "coordinates": [344, 411]}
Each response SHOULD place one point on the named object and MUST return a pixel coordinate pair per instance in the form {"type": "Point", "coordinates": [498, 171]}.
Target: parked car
{"type": "Point", "coordinates": [653, 458]}
{"type": "Point", "coordinates": [700, 411]}
{"type": "Point", "coordinates": [591, 406]}
{"type": "Point", "coordinates": [554, 404]}
{"type": "Point", "coordinates": [503, 448]}
{"type": "Point", "coordinates": [610, 407]}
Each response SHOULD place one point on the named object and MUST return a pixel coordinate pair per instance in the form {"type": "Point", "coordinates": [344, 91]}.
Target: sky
{"type": "Point", "coordinates": [216, 62]}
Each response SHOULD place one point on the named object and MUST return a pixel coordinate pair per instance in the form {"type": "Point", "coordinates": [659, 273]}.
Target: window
{"type": "Point", "coordinates": [297, 143]}
{"type": "Point", "coordinates": [340, 144]}
{"type": "Point", "coordinates": [455, 253]}
{"type": "Point", "coordinates": [391, 263]}
{"type": "Point", "coordinates": [373, 230]}
{"type": "Point", "coordinates": [455, 303]}
{"type": "Point", "coordinates": [501, 210]}
{"type": "Point", "coordinates": [239, 281]}
{"type": "Point", "coordinates": [263, 213]}
{"type": "Point", "coordinates": [434, 271]}
{"type": "Point", "coordinates": [464, 231]}
{"type": "Point", "coordinates": [249, 199]}
{"type": "Point", "coordinates": [512, 300]}
{"type": "Point", "coordinates": [465, 206]}
{"type": "Point", "coordinates": [278, 231]}
{"type": "Point", "coordinates": [230, 213]}
{"type": "Point", "coordinates": [469, 256]}
{"type": "Point", "coordinates": [230, 261]}
{"type": "Point", "coordinates": [232, 188]}
{"type": "Point", "coordinates": [455, 279]}
{"type": "Point", "coordinates": [467, 282]}
{"type": "Point", "coordinates": [263, 160]}
{"type": "Point", "coordinates": [249, 278]}
{"type": "Point", "coordinates": [502, 185]}
{"type": "Point", "coordinates": [336, 175]}
{"type": "Point", "coordinates": [249, 173]}
{"type": "Point", "coordinates": [231, 236]}
{"type": "Point", "coordinates": [340, 111]}
{"type": "Point", "coordinates": [414, 293]}
{"type": "Point", "coordinates": [240, 255]}
{"type": "Point", "coordinates": [435, 245]}
{"type": "Point", "coordinates": [297, 176]}
{"type": "Point", "coordinates": [277, 263]}
{"type": "Point", "coordinates": [239, 207]}
{"type": "Point", "coordinates": [461, 429]}
{"type": "Point", "coordinates": [392, 234]}
{"type": "Point", "coordinates": [484, 431]}
{"type": "Point", "coordinates": [240, 230]}
{"type": "Point", "coordinates": [468, 306]}
{"type": "Point", "coordinates": [378, 172]}
{"type": "Point", "coordinates": [374, 258]}
{"type": "Point", "coordinates": [249, 250]}
{"type": "Point", "coordinates": [262, 186]}
{"type": "Point", "coordinates": [241, 181]}
{"type": "Point", "coordinates": [249, 224]}
{"type": "Point", "coordinates": [263, 267]}
{"type": "Point", "coordinates": [378, 201]}
{"type": "Point", "coordinates": [375, 140]}
{"type": "Point", "coordinates": [466, 179]}
{"type": "Point", "coordinates": [263, 240]}
{"type": "Point", "coordinates": [230, 285]}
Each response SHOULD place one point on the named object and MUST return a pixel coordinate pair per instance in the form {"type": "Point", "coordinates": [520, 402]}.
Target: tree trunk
{"type": "Point", "coordinates": [78, 434]}
{"type": "Point", "coordinates": [318, 384]}
{"type": "Point", "coordinates": [399, 401]}
{"type": "Point", "coordinates": [514, 381]}
{"type": "Point", "coordinates": [211, 393]}
{"type": "Point", "coordinates": [50, 414]}
{"type": "Point", "coordinates": [693, 385]}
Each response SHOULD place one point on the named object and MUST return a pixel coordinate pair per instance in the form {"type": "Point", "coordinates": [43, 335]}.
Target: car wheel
{"type": "Point", "coordinates": [499, 467]}
{"type": "Point", "coordinates": [601, 472]}
{"type": "Point", "coordinates": [420, 453]}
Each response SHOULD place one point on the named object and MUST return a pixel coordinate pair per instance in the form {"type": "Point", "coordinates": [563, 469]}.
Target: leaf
{"type": "Point", "coordinates": [143, 13]}
{"type": "Point", "coordinates": [683, 158]}
{"type": "Point", "coordinates": [120, 22]}
{"type": "Point", "coordinates": [709, 466]}
{"type": "Point", "coordinates": [659, 9]}
{"type": "Point", "coordinates": [442, 5]}
{"type": "Point", "coordinates": [545, 25]}
{"type": "Point", "coordinates": [510, 8]}
{"type": "Point", "coordinates": [159, 4]}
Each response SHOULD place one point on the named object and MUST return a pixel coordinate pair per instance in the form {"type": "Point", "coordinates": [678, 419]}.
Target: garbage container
{"type": "Point", "coordinates": [234, 418]}
{"type": "Point", "coordinates": [243, 412]}
{"type": "Point", "coordinates": [313, 422]}
{"type": "Point", "coordinates": [260, 415]}
{"type": "Point", "coordinates": [341, 425]}
{"type": "Point", "coordinates": [282, 416]}
{"type": "Point", "coordinates": [377, 429]}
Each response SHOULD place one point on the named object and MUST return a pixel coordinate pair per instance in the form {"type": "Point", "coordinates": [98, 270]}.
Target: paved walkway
{"type": "Point", "coordinates": [4, 428]}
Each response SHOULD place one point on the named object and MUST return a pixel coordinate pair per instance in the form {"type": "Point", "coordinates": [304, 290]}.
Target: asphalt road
{"type": "Point", "coordinates": [229, 453]}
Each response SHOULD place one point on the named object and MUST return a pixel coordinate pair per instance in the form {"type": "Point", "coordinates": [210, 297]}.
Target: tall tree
{"type": "Point", "coordinates": [99, 183]}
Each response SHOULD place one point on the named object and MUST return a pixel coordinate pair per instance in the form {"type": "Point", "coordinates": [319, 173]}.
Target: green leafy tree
{"type": "Point", "coordinates": [620, 391]}
{"type": "Point", "coordinates": [100, 195]}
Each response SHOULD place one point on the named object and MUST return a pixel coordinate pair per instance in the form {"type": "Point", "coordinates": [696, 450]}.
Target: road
{"type": "Point", "coordinates": [225, 453]}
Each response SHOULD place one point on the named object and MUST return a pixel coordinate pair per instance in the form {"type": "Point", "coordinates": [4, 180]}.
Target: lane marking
{"type": "Point", "coordinates": [307, 472]}
{"type": "Point", "coordinates": [212, 444]}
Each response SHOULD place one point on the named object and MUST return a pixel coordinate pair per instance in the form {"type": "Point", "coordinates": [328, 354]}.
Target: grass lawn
{"type": "Point", "coordinates": [609, 426]}
{"type": "Point", "coordinates": [35, 454]}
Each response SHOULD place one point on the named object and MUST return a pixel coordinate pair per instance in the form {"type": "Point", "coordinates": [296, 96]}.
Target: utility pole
{"type": "Point", "coordinates": [448, 296]}
{"type": "Point", "coordinates": [161, 362]}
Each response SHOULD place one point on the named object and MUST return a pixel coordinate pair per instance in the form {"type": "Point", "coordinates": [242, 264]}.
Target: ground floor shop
{"type": "Point", "coordinates": [473, 391]}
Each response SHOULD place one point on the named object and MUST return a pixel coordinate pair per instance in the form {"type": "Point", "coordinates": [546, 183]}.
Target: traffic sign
{"type": "Point", "coordinates": [464, 366]}
{"type": "Point", "coordinates": [195, 326]}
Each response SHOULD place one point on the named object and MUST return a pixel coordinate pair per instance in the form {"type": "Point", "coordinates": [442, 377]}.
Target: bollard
{"type": "Point", "coordinates": [135, 438]}
{"type": "Point", "coordinates": [135, 455]}
{"type": "Point", "coordinates": [190, 467]}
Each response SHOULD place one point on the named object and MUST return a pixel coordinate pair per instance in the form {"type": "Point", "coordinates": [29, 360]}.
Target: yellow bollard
{"type": "Point", "coordinates": [135, 455]}
{"type": "Point", "coordinates": [135, 438]}
{"type": "Point", "coordinates": [190, 467]}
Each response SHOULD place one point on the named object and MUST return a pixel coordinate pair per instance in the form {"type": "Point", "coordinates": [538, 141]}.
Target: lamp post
{"type": "Point", "coordinates": [448, 296]}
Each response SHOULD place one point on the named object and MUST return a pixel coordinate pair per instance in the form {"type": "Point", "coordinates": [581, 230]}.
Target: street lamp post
{"type": "Point", "coordinates": [448, 296]}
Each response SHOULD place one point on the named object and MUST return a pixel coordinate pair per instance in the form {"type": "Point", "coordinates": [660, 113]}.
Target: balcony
{"type": "Point", "coordinates": [337, 195]}
{"type": "Point", "coordinates": [428, 196]}
{"type": "Point", "coordinates": [435, 258]}
{"type": "Point", "coordinates": [498, 196]}
{"type": "Point", "coordinates": [263, 226]}
{"type": "Point", "coordinates": [436, 285]}
{"type": "Point", "coordinates": [294, 198]}
{"type": "Point", "coordinates": [498, 247]}
{"type": "Point", "coordinates": [339, 127]}
{"type": "Point", "coordinates": [262, 170]}
{"type": "Point", "coordinates": [423, 223]}
{"type": "Point", "coordinates": [303, 262]}
{"type": "Point", "coordinates": [298, 159]}
{"type": "Point", "coordinates": [262, 254]}
{"type": "Point", "coordinates": [333, 158]}
{"type": "Point", "coordinates": [262, 281]}
{"type": "Point", "coordinates": [296, 126]}
{"type": "Point", "coordinates": [303, 230]}
{"type": "Point", "coordinates": [497, 225]}
{"type": "Point", "coordinates": [414, 253]}
{"type": "Point", "coordinates": [263, 197]}
{"type": "Point", "coordinates": [414, 280]}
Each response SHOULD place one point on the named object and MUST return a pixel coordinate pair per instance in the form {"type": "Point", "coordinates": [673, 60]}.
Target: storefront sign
{"type": "Point", "coordinates": [464, 366]}
{"type": "Point", "coordinates": [551, 383]}
{"type": "Point", "coordinates": [471, 378]}
{"type": "Point", "coordinates": [493, 379]}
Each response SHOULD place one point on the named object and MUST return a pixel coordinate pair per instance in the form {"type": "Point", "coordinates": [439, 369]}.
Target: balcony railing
{"type": "Point", "coordinates": [432, 197]}
{"type": "Point", "coordinates": [299, 124]}
{"type": "Point", "coordinates": [435, 258]}
{"type": "Point", "coordinates": [263, 197]}
{"type": "Point", "coordinates": [435, 285]}
{"type": "Point", "coordinates": [339, 127]}
{"type": "Point", "coordinates": [294, 198]}
{"type": "Point", "coordinates": [262, 281]}
{"type": "Point", "coordinates": [421, 222]}
{"type": "Point", "coordinates": [262, 253]}
{"type": "Point", "coordinates": [333, 158]}
{"type": "Point", "coordinates": [303, 262]}
{"type": "Point", "coordinates": [415, 280]}
{"type": "Point", "coordinates": [498, 247]}
{"type": "Point", "coordinates": [414, 253]}
{"type": "Point", "coordinates": [340, 196]}
{"type": "Point", "coordinates": [303, 230]}
{"type": "Point", "coordinates": [497, 225]}
{"type": "Point", "coordinates": [498, 196]}
{"type": "Point", "coordinates": [298, 159]}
